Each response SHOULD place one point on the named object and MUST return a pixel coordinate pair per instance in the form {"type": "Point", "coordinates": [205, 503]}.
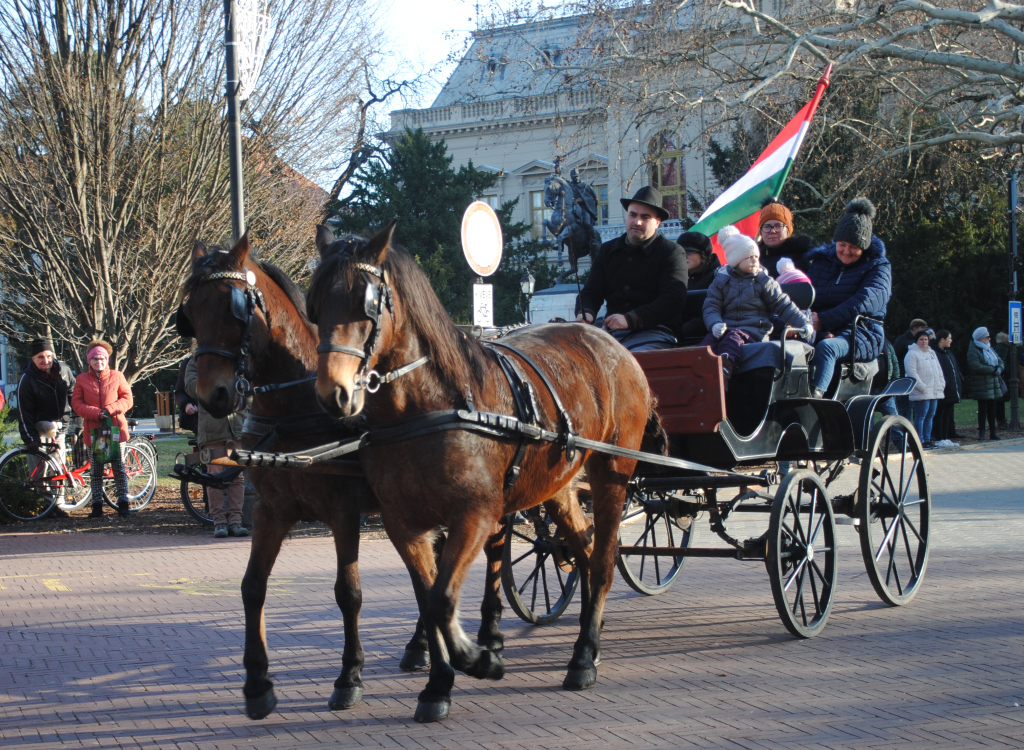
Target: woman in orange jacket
{"type": "Point", "coordinates": [102, 393]}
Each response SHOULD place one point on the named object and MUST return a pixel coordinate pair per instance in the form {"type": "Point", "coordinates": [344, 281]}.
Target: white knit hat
{"type": "Point", "coordinates": [737, 246]}
{"type": "Point", "coordinates": [980, 333]}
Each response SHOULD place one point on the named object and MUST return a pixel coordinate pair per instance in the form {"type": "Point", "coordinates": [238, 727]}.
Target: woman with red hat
{"type": "Point", "coordinates": [103, 394]}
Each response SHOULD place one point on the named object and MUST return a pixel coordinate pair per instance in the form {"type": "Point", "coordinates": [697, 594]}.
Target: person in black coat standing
{"type": "Point", "coordinates": [641, 276]}
{"type": "Point", "coordinates": [188, 408]}
{"type": "Point", "coordinates": [945, 426]}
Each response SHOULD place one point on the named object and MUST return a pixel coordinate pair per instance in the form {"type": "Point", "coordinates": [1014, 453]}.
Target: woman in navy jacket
{"type": "Point", "coordinates": [851, 277]}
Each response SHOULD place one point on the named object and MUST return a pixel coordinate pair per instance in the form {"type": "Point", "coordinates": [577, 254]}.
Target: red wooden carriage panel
{"type": "Point", "coordinates": [688, 384]}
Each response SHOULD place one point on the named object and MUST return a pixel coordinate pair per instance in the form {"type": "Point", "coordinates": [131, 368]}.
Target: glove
{"type": "Point", "coordinates": [104, 414]}
{"type": "Point", "coordinates": [718, 330]}
{"type": "Point", "coordinates": [808, 332]}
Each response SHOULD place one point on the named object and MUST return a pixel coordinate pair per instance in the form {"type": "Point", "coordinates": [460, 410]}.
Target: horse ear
{"type": "Point", "coordinates": [240, 251]}
{"type": "Point", "coordinates": [198, 251]}
{"type": "Point", "coordinates": [324, 238]}
{"type": "Point", "coordinates": [377, 248]}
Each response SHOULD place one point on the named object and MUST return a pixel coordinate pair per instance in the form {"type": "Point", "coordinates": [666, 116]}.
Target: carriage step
{"type": "Point", "coordinates": [843, 521]}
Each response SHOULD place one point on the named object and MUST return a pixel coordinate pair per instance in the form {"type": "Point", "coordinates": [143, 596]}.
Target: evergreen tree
{"type": "Point", "coordinates": [416, 184]}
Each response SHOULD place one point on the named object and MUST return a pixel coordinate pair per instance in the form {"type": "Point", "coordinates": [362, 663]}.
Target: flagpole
{"type": "Point", "coordinates": [231, 88]}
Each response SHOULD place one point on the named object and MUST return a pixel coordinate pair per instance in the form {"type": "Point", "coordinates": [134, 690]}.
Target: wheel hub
{"type": "Point", "coordinates": [810, 553]}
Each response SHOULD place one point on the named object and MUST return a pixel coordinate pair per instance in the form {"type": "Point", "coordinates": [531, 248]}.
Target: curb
{"type": "Point", "coordinates": [975, 446]}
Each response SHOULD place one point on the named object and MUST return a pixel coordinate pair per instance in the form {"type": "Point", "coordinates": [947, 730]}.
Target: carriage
{"type": "Point", "coordinates": [766, 420]}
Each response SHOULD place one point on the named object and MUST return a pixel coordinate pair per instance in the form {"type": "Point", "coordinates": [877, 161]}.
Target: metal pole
{"type": "Point", "coordinates": [1012, 382]}
{"type": "Point", "coordinates": [234, 129]}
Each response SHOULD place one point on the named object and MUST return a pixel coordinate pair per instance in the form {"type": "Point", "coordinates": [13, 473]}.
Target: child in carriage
{"type": "Point", "coordinates": [741, 300]}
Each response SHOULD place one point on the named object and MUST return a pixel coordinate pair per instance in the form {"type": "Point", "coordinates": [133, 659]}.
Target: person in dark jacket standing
{"type": "Point", "coordinates": [984, 367]}
{"type": "Point", "coordinates": [641, 276]}
{"type": "Point", "coordinates": [44, 393]}
{"type": "Point", "coordinates": [851, 277]}
{"type": "Point", "coordinates": [776, 240]}
{"type": "Point", "coordinates": [188, 407]}
{"type": "Point", "coordinates": [945, 427]}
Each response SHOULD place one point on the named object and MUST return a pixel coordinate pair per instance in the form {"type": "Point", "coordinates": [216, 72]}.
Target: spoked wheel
{"type": "Point", "coordinates": [647, 522]}
{"type": "Point", "coordinates": [29, 486]}
{"type": "Point", "coordinates": [140, 471]}
{"type": "Point", "coordinates": [196, 499]}
{"type": "Point", "coordinates": [801, 553]}
{"type": "Point", "coordinates": [894, 507]}
{"type": "Point", "coordinates": [538, 572]}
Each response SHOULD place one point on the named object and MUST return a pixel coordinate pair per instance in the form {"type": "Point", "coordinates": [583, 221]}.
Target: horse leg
{"type": "Point", "coordinates": [417, 553]}
{"type": "Point", "coordinates": [609, 492]}
{"type": "Point", "coordinates": [564, 508]}
{"type": "Point", "coordinates": [489, 636]}
{"type": "Point", "coordinates": [348, 688]}
{"type": "Point", "coordinates": [417, 651]}
{"type": "Point", "coordinates": [465, 538]}
{"type": "Point", "coordinates": [269, 532]}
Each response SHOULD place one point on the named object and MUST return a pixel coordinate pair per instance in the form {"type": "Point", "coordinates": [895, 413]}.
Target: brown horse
{"type": "Point", "coordinates": [375, 309]}
{"type": "Point", "coordinates": [281, 346]}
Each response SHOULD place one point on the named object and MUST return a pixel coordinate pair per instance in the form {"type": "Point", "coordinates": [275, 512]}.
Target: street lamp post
{"type": "Point", "coordinates": [1012, 381]}
{"type": "Point", "coordinates": [527, 284]}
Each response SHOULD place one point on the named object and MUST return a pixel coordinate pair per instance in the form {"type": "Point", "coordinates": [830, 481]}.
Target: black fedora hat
{"type": "Point", "coordinates": [649, 197]}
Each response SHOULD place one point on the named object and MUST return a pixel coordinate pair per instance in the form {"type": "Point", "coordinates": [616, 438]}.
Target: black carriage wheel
{"type": "Point", "coordinates": [196, 500]}
{"type": "Point", "coordinates": [801, 553]}
{"type": "Point", "coordinates": [647, 521]}
{"type": "Point", "coordinates": [28, 485]}
{"type": "Point", "coordinates": [894, 507]}
{"type": "Point", "coordinates": [538, 572]}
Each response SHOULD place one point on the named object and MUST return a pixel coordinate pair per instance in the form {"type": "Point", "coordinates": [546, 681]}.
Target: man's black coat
{"type": "Point", "coordinates": [44, 399]}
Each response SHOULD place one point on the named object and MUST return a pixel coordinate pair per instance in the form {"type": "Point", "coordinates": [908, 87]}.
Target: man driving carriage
{"type": "Point", "coordinates": [641, 276]}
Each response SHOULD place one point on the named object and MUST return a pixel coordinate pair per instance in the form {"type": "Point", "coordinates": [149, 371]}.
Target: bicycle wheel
{"type": "Point", "coordinates": [196, 500]}
{"type": "Point", "coordinates": [143, 443]}
{"type": "Point", "coordinates": [140, 471]}
{"type": "Point", "coordinates": [29, 484]}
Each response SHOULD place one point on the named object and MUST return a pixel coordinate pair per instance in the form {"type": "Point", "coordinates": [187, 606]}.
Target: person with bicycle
{"type": "Point", "coordinates": [103, 393]}
{"type": "Point", "coordinates": [44, 396]}
{"type": "Point", "coordinates": [214, 432]}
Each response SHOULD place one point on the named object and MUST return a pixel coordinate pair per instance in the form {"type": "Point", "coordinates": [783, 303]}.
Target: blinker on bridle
{"type": "Point", "coordinates": [243, 308]}
{"type": "Point", "coordinates": [375, 299]}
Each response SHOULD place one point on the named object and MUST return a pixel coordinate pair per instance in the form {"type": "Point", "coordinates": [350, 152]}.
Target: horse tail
{"type": "Point", "coordinates": [655, 438]}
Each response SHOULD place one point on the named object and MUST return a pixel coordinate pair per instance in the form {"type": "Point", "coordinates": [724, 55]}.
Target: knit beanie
{"type": "Point", "coordinates": [41, 345]}
{"type": "Point", "coordinates": [695, 242]}
{"type": "Point", "coordinates": [979, 333]}
{"type": "Point", "coordinates": [737, 246]}
{"type": "Point", "coordinates": [789, 273]}
{"type": "Point", "coordinates": [855, 225]}
{"type": "Point", "coordinates": [771, 209]}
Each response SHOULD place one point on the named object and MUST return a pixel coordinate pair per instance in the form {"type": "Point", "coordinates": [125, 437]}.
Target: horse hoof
{"type": "Point", "coordinates": [428, 712]}
{"type": "Point", "coordinates": [488, 666]}
{"type": "Point", "coordinates": [262, 707]}
{"type": "Point", "coordinates": [343, 698]}
{"type": "Point", "coordinates": [415, 661]}
{"type": "Point", "coordinates": [580, 679]}
{"type": "Point", "coordinates": [493, 645]}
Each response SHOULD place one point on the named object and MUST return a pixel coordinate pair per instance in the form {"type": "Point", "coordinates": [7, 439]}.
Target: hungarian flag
{"type": "Point", "coordinates": [741, 203]}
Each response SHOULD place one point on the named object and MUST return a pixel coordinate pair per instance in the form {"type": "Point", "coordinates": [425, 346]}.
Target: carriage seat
{"type": "Point", "coordinates": [766, 354]}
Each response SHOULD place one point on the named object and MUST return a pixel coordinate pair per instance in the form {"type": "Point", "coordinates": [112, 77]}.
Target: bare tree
{"type": "Point", "coordinates": [113, 155]}
{"type": "Point", "coordinates": [938, 74]}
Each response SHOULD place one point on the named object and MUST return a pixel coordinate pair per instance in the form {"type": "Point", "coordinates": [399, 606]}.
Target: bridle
{"type": "Point", "coordinates": [243, 307]}
{"type": "Point", "coordinates": [376, 298]}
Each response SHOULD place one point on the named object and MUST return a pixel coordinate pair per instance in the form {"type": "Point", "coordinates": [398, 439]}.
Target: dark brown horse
{"type": "Point", "coordinates": [281, 345]}
{"type": "Point", "coordinates": [458, 478]}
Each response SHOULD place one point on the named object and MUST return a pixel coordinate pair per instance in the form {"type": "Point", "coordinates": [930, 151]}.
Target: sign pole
{"type": "Point", "coordinates": [231, 88]}
{"type": "Point", "coordinates": [1014, 325]}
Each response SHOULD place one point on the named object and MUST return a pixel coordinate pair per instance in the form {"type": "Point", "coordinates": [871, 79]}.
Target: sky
{"type": "Point", "coordinates": [425, 32]}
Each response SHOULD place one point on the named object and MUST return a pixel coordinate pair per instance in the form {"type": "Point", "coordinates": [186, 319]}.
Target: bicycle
{"type": "Point", "coordinates": [30, 492]}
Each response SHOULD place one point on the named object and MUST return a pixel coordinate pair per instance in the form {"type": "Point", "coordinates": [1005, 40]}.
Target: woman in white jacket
{"type": "Point", "coordinates": [922, 365]}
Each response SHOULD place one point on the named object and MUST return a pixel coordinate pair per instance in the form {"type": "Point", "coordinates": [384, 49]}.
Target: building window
{"type": "Point", "coordinates": [538, 213]}
{"type": "Point", "coordinates": [668, 172]}
{"type": "Point", "coordinates": [491, 200]}
{"type": "Point", "coordinates": [602, 204]}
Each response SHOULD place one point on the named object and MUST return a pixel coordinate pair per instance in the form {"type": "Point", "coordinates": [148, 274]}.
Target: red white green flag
{"type": "Point", "coordinates": [741, 203]}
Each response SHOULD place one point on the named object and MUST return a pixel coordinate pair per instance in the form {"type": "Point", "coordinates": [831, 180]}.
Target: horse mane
{"type": "Point", "coordinates": [218, 259]}
{"type": "Point", "coordinates": [458, 359]}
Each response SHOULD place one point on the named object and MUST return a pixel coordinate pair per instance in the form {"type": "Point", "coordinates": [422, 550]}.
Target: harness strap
{"type": "Point", "coordinates": [279, 386]}
{"type": "Point", "coordinates": [523, 409]}
{"type": "Point", "coordinates": [563, 413]}
{"type": "Point", "coordinates": [328, 348]}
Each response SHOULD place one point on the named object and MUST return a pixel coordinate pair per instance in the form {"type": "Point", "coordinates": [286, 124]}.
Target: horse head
{"type": "Point", "coordinates": [226, 313]}
{"type": "Point", "coordinates": [351, 301]}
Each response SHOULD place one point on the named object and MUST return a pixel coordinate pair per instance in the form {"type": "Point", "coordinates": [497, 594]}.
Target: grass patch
{"type": "Point", "coordinates": [168, 448]}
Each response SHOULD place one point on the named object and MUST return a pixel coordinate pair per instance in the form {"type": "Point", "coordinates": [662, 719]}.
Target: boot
{"type": "Point", "coordinates": [97, 510]}
{"type": "Point", "coordinates": [124, 509]}
{"type": "Point", "coordinates": [995, 436]}
{"type": "Point", "coordinates": [981, 434]}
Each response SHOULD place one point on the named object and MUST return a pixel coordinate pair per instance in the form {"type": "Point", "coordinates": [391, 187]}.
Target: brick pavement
{"type": "Point", "coordinates": [137, 642]}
